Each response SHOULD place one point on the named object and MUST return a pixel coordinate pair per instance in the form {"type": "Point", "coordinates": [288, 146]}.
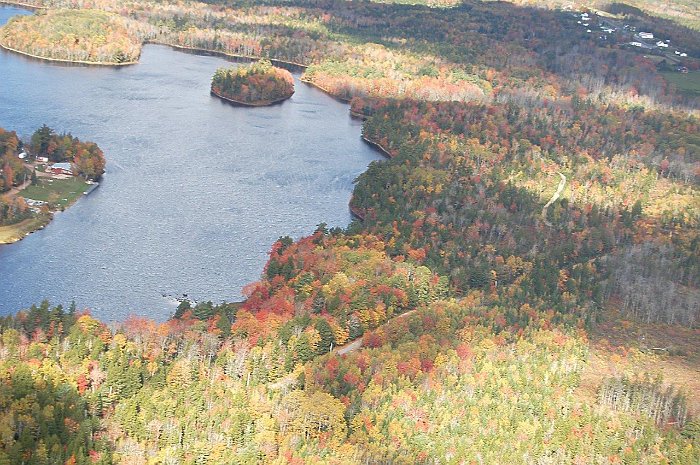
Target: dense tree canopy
{"type": "Point", "coordinates": [539, 181]}
{"type": "Point", "coordinates": [76, 35]}
{"type": "Point", "coordinates": [259, 83]}
{"type": "Point", "coordinates": [86, 157]}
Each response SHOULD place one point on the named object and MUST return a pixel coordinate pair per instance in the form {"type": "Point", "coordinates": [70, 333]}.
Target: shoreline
{"type": "Point", "coordinates": [222, 54]}
{"type": "Point", "coordinates": [378, 146]}
{"type": "Point", "coordinates": [64, 61]}
{"type": "Point", "coordinates": [27, 6]}
{"type": "Point", "coordinates": [355, 212]}
{"type": "Point", "coordinates": [324, 90]}
{"type": "Point", "coordinates": [13, 233]}
{"type": "Point", "coordinates": [251, 104]}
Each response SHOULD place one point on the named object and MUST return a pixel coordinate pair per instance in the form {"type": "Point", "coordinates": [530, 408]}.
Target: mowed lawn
{"type": "Point", "coordinates": [688, 84]}
{"type": "Point", "coordinates": [58, 192]}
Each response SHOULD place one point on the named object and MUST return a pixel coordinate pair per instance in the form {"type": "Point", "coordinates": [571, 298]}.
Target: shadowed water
{"type": "Point", "coordinates": [196, 190]}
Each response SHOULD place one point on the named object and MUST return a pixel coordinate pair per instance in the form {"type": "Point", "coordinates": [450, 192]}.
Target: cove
{"type": "Point", "coordinates": [196, 190]}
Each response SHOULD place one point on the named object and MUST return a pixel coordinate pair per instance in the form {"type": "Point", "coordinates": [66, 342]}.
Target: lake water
{"type": "Point", "coordinates": [196, 190]}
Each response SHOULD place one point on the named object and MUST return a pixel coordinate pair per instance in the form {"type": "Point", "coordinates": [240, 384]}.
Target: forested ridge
{"type": "Point", "coordinates": [464, 316]}
{"type": "Point", "coordinates": [88, 36]}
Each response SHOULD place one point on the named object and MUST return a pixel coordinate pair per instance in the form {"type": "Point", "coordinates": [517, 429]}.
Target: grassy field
{"type": "Point", "coordinates": [59, 193]}
{"type": "Point", "coordinates": [14, 232]}
{"type": "Point", "coordinates": [688, 84]}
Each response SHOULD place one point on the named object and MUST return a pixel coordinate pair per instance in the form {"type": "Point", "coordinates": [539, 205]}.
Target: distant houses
{"type": "Point", "coordinates": [627, 34]}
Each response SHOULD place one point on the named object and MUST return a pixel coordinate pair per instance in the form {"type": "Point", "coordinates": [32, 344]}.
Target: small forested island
{"type": "Point", "coordinates": [77, 36]}
{"type": "Point", "coordinates": [45, 175]}
{"type": "Point", "coordinates": [257, 84]}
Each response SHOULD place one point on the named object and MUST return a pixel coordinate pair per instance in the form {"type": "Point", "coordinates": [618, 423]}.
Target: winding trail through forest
{"type": "Point", "coordinates": [357, 343]}
{"type": "Point", "coordinates": [554, 198]}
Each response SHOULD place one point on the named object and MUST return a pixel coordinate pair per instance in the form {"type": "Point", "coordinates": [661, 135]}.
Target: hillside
{"type": "Point", "coordinates": [520, 285]}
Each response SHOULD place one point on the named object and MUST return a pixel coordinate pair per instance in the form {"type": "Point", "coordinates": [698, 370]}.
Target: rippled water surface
{"type": "Point", "coordinates": [196, 190]}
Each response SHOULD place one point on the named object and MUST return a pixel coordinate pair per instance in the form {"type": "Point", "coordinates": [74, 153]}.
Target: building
{"type": "Point", "coordinates": [42, 159]}
{"type": "Point", "coordinates": [61, 168]}
{"type": "Point", "coordinates": [662, 44]}
{"type": "Point", "coordinates": [646, 35]}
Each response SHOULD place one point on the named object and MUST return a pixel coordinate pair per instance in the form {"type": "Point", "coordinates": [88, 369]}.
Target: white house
{"type": "Point", "coordinates": [646, 35]}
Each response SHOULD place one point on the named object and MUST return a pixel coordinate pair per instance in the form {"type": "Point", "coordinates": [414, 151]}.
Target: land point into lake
{"type": "Point", "coordinates": [257, 84]}
{"type": "Point", "coordinates": [45, 175]}
{"type": "Point", "coordinates": [57, 193]}
{"type": "Point", "coordinates": [17, 231]}
{"type": "Point", "coordinates": [75, 36]}
{"type": "Point", "coordinates": [46, 196]}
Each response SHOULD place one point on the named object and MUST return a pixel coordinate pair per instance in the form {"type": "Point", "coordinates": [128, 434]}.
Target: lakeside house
{"type": "Point", "coordinates": [61, 168]}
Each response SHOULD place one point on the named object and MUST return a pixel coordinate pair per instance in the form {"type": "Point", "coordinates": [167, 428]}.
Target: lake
{"type": "Point", "coordinates": [195, 192]}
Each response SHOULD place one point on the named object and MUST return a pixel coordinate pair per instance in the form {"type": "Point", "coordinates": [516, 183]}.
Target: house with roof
{"type": "Point", "coordinates": [61, 168]}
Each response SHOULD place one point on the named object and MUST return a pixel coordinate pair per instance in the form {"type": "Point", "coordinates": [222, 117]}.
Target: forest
{"type": "Point", "coordinates": [256, 84]}
{"type": "Point", "coordinates": [520, 283]}
{"type": "Point", "coordinates": [86, 157]}
{"type": "Point", "coordinates": [88, 36]}
{"type": "Point", "coordinates": [12, 173]}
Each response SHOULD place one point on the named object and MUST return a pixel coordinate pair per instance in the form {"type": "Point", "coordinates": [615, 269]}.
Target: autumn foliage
{"type": "Point", "coordinates": [90, 36]}
{"type": "Point", "coordinates": [256, 84]}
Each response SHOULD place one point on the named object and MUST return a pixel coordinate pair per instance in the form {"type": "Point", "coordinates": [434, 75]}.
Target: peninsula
{"type": "Point", "coordinates": [44, 176]}
{"type": "Point", "coordinates": [76, 36]}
